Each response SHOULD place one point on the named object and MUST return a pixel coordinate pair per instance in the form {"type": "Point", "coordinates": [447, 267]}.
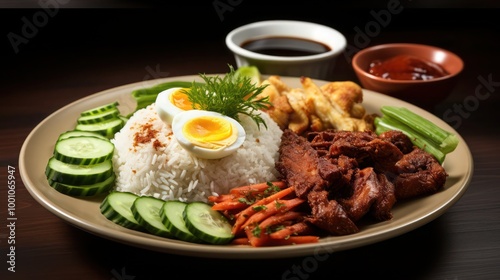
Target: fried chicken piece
{"type": "Point", "coordinates": [319, 103]}
{"type": "Point", "coordinates": [280, 109]}
{"type": "Point", "coordinates": [346, 96]}
{"type": "Point", "coordinates": [334, 108]}
{"type": "Point", "coordinates": [278, 83]}
{"type": "Point", "coordinates": [336, 105]}
{"type": "Point", "coordinates": [299, 118]}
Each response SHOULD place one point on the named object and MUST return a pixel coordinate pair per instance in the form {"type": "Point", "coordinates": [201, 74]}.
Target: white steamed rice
{"type": "Point", "coordinates": [169, 172]}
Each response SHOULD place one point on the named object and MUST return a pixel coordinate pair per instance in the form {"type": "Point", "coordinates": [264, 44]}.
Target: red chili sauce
{"type": "Point", "coordinates": [406, 67]}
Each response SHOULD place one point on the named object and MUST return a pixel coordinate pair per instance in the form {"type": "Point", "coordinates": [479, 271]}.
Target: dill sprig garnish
{"type": "Point", "coordinates": [229, 95]}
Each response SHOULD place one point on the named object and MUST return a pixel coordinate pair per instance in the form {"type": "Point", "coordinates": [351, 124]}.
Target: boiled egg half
{"type": "Point", "coordinates": [207, 134]}
{"type": "Point", "coordinates": [171, 102]}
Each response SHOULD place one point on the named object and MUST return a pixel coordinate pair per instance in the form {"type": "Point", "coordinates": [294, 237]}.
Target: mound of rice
{"type": "Point", "coordinates": [149, 161]}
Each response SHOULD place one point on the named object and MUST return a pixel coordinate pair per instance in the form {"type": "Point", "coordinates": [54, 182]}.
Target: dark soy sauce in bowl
{"type": "Point", "coordinates": [285, 46]}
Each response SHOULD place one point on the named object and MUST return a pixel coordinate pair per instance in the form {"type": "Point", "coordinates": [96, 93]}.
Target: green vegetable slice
{"type": "Point", "coordinates": [106, 128]}
{"type": "Point", "coordinates": [445, 141]}
{"type": "Point", "coordinates": [101, 117]}
{"type": "Point", "coordinates": [117, 206]}
{"type": "Point", "coordinates": [83, 150]}
{"type": "Point", "coordinates": [207, 224]}
{"type": "Point", "coordinates": [146, 210]}
{"type": "Point", "coordinates": [172, 217]}
{"type": "Point", "coordinates": [78, 175]}
{"type": "Point", "coordinates": [100, 109]}
{"type": "Point", "coordinates": [78, 133]}
{"type": "Point", "coordinates": [385, 124]}
{"type": "Point", "coordinates": [84, 190]}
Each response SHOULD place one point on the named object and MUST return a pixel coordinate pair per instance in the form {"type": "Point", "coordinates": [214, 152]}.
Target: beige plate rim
{"type": "Point", "coordinates": [84, 213]}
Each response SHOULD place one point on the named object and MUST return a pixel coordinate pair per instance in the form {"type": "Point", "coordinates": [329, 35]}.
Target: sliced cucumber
{"type": "Point", "coordinates": [83, 150]}
{"type": "Point", "coordinates": [116, 207]}
{"type": "Point", "coordinates": [97, 118]}
{"type": "Point", "coordinates": [84, 190]}
{"type": "Point", "coordinates": [107, 128]}
{"type": "Point", "coordinates": [100, 109]}
{"type": "Point", "coordinates": [207, 224]}
{"type": "Point", "coordinates": [124, 119]}
{"type": "Point", "coordinates": [78, 133]}
{"type": "Point", "coordinates": [146, 210]}
{"type": "Point", "coordinates": [172, 217]}
{"type": "Point", "coordinates": [78, 175]}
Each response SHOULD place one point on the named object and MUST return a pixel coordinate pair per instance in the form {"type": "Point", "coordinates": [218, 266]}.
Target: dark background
{"type": "Point", "coordinates": [93, 41]}
{"type": "Point", "coordinates": [86, 48]}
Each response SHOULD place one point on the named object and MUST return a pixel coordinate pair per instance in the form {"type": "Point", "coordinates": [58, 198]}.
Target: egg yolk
{"type": "Point", "coordinates": [210, 132]}
{"type": "Point", "coordinates": [181, 100]}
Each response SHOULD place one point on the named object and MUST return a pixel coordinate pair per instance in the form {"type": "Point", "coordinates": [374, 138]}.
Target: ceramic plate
{"type": "Point", "coordinates": [84, 213]}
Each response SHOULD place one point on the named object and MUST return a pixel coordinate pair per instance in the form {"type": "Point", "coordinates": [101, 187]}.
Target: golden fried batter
{"type": "Point", "coordinates": [335, 105]}
{"type": "Point", "coordinates": [280, 110]}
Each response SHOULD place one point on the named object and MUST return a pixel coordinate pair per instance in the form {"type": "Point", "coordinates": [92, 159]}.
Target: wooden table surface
{"type": "Point", "coordinates": [70, 54]}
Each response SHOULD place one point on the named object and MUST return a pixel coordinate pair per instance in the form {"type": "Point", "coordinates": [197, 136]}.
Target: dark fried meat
{"type": "Point", "coordinates": [382, 207]}
{"type": "Point", "coordinates": [347, 175]}
{"type": "Point", "coordinates": [328, 170]}
{"type": "Point", "coordinates": [328, 215]}
{"type": "Point", "coordinates": [298, 164]}
{"type": "Point", "coordinates": [338, 172]}
{"type": "Point", "coordinates": [344, 143]}
{"type": "Point", "coordinates": [419, 174]}
{"type": "Point", "coordinates": [383, 155]}
{"type": "Point", "coordinates": [399, 139]}
{"type": "Point", "coordinates": [364, 192]}
{"type": "Point", "coordinates": [371, 193]}
{"type": "Point", "coordinates": [365, 147]}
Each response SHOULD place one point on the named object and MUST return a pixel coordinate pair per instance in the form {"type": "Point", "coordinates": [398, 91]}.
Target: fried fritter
{"type": "Point", "coordinates": [335, 105]}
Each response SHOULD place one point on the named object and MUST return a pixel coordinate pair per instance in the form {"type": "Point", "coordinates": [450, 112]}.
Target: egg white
{"type": "Point", "coordinates": [180, 120]}
{"type": "Point", "coordinates": [164, 107]}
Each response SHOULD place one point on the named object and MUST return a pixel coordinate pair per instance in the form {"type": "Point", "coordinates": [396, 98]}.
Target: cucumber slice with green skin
{"type": "Point", "coordinates": [172, 217]}
{"type": "Point", "coordinates": [146, 211]}
{"type": "Point", "coordinates": [78, 175]}
{"type": "Point", "coordinates": [123, 118]}
{"type": "Point", "coordinates": [116, 207]}
{"type": "Point", "coordinates": [100, 109]}
{"type": "Point", "coordinates": [97, 118]}
{"type": "Point", "coordinates": [83, 150]}
{"type": "Point", "coordinates": [84, 190]}
{"type": "Point", "coordinates": [207, 224]}
{"type": "Point", "coordinates": [78, 133]}
{"type": "Point", "coordinates": [107, 128]}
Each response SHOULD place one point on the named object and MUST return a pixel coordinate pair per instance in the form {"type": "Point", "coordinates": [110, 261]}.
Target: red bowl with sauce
{"type": "Point", "coordinates": [420, 74]}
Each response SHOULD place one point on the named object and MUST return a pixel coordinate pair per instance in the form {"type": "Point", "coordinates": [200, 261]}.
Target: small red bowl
{"type": "Point", "coordinates": [424, 93]}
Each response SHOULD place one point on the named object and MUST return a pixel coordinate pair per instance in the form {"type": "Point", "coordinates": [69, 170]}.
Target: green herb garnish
{"type": "Point", "coordinates": [229, 95]}
{"type": "Point", "coordinates": [272, 189]}
{"type": "Point", "coordinates": [259, 208]}
{"type": "Point", "coordinates": [279, 204]}
{"type": "Point", "coordinates": [256, 231]}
